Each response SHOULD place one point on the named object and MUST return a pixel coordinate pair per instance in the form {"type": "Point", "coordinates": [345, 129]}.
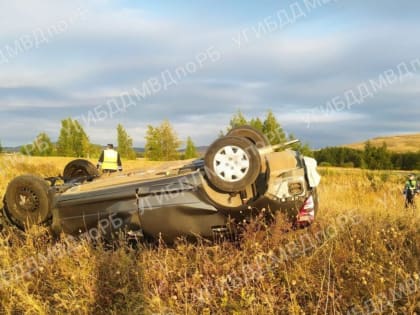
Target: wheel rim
{"type": "Point", "coordinates": [27, 200]}
{"type": "Point", "coordinates": [231, 163]}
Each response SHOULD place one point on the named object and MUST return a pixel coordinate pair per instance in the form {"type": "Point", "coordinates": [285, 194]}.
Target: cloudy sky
{"type": "Point", "coordinates": [63, 59]}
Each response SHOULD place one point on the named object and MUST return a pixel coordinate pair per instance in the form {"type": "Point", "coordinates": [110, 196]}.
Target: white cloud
{"type": "Point", "coordinates": [113, 49]}
{"type": "Point", "coordinates": [308, 118]}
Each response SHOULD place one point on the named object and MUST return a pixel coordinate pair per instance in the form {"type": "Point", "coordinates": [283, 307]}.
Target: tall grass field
{"type": "Point", "coordinates": [361, 256]}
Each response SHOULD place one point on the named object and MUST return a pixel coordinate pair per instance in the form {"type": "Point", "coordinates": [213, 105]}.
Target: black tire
{"type": "Point", "coordinates": [232, 163]}
{"type": "Point", "coordinates": [250, 133]}
{"type": "Point", "coordinates": [27, 201]}
{"type": "Point", "coordinates": [79, 168]}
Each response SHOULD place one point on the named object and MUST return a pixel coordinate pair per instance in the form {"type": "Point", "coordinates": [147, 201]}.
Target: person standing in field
{"type": "Point", "coordinates": [110, 160]}
{"type": "Point", "coordinates": [411, 188]}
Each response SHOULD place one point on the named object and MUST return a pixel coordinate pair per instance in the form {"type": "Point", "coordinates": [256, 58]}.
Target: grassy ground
{"type": "Point", "coordinates": [360, 257]}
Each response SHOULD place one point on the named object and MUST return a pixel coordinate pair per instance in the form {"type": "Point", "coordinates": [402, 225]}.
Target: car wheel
{"type": "Point", "coordinates": [232, 163]}
{"type": "Point", "coordinates": [27, 201]}
{"type": "Point", "coordinates": [79, 168]}
{"type": "Point", "coordinates": [250, 133]}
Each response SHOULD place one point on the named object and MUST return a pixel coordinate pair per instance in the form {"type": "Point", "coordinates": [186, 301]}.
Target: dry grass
{"type": "Point", "coordinates": [363, 248]}
{"type": "Point", "coordinates": [401, 144]}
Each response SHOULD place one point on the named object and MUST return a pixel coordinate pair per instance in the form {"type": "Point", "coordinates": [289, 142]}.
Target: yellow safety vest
{"type": "Point", "coordinates": [411, 184]}
{"type": "Point", "coordinates": [110, 160]}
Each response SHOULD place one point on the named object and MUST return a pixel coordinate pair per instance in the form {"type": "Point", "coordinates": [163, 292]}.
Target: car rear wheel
{"type": "Point", "coordinates": [78, 169]}
{"type": "Point", "coordinates": [232, 163]}
{"type": "Point", "coordinates": [250, 133]}
{"type": "Point", "coordinates": [27, 201]}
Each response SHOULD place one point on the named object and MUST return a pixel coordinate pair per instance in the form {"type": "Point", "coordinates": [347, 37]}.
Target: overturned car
{"type": "Point", "coordinates": [240, 175]}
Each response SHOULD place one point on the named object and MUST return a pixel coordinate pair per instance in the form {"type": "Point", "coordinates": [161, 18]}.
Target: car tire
{"type": "Point", "coordinates": [78, 169]}
{"type": "Point", "coordinates": [27, 201]}
{"type": "Point", "coordinates": [250, 133]}
{"type": "Point", "coordinates": [232, 163]}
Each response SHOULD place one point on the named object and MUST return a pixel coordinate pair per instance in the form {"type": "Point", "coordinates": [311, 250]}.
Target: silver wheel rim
{"type": "Point", "coordinates": [231, 163]}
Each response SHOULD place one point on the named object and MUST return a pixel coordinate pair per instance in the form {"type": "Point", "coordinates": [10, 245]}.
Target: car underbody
{"type": "Point", "coordinates": [240, 176]}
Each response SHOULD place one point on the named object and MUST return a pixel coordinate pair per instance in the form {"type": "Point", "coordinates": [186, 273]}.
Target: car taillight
{"type": "Point", "coordinates": [307, 212]}
{"type": "Point", "coordinates": [308, 205]}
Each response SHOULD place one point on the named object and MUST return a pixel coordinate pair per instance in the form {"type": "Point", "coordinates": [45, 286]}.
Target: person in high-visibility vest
{"type": "Point", "coordinates": [411, 188]}
{"type": "Point", "coordinates": [110, 160]}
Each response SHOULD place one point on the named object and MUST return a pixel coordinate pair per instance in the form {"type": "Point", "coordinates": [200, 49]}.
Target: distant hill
{"type": "Point", "coordinates": [402, 143]}
{"type": "Point", "coordinates": [11, 149]}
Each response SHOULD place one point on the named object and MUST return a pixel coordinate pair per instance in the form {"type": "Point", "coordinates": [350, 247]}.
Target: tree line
{"type": "Point", "coordinates": [163, 144]}
{"type": "Point", "coordinates": [73, 141]}
{"type": "Point", "coordinates": [162, 141]}
{"type": "Point", "coordinates": [371, 157]}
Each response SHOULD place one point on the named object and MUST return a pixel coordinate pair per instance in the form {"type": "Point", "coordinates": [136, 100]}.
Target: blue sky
{"type": "Point", "coordinates": [115, 46]}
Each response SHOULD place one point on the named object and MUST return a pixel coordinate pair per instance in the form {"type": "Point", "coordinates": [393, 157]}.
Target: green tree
{"type": "Point", "coordinates": [95, 150]}
{"type": "Point", "coordinates": [72, 140]}
{"type": "Point", "coordinates": [190, 150]}
{"type": "Point", "coordinates": [125, 144]}
{"type": "Point", "coordinates": [64, 143]}
{"type": "Point", "coordinates": [85, 146]}
{"type": "Point", "coordinates": [162, 143]}
{"type": "Point", "coordinates": [1, 148]}
{"type": "Point", "coordinates": [237, 120]}
{"type": "Point", "coordinates": [42, 145]}
{"type": "Point", "coordinates": [377, 157]}
{"type": "Point", "coordinates": [153, 148]}
{"type": "Point", "coordinates": [257, 124]}
{"type": "Point", "coordinates": [272, 129]}
{"type": "Point", "coordinates": [340, 156]}
{"type": "Point", "coordinates": [406, 161]}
